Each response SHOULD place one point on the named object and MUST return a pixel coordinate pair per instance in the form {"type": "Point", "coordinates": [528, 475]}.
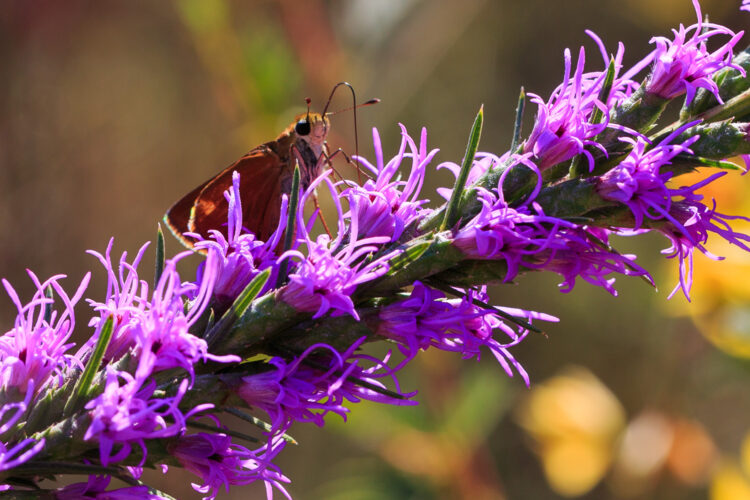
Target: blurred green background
{"type": "Point", "coordinates": [110, 111]}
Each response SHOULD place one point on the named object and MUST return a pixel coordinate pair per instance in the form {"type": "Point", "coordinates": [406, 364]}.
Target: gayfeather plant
{"type": "Point", "coordinates": [276, 332]}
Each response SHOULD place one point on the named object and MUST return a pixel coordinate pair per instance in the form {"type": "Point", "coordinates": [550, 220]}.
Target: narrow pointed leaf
{"type": "Point", "coordinates": [452, 213]}
{"type": "Point", "coordinates": [407, 256]}
{"type": "Point", "coordinates": [239, 306]}
{"type": "Point", "coordinates": [290, 219]}
{"type": "Point", "coordinates": [519, 120]}
{"type": "Point", "coordinates": [606, 90]}
{"type": "Point", "coordinates": [265, 426]}
{"type": "Point", "coordinates": [83, 387]}
{"type": "Point", "coordinates": [159, 268]}
{"type": "Point", "coordinates": [48, 306]}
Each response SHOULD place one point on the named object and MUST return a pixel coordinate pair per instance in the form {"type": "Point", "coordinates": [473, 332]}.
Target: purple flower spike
{"type": "Point", "coordinates": [562, 128]}
{"type": "Point", "coordinates": [745, 5]}
{"type": "Point", "coordinates": [221, 463]}
{"type": "Point", "coordinates": [383, 206]}
{"type": "Point", "coordinates": [684, 64]}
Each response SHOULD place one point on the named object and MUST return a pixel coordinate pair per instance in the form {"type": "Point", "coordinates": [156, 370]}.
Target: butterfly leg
{"type": "Point", "coordinates": [330, 156]}
{"type": "Point", "coordinates": [320, 213]}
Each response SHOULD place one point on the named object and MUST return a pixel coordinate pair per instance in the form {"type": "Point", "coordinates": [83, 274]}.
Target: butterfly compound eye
{"type": "Point", "coordinates": [302, 127]}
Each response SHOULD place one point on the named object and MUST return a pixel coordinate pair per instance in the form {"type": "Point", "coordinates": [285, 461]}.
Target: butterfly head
{"type": "Point", "coordinates": [312, 128]}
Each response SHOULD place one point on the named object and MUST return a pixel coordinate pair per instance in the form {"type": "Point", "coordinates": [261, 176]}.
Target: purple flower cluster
{"type": "Point", "coordinates": [316, 383]}
{"type": "Point", "coordinates": [683, 65]}
{"type": "Point", "coordinates": [221, 463]}
{"type": "Point", "coordinates": [639, 183]}
{"type": "Point", "coordinates": [427, 319]}
{"type": "Point", "coordinates": [384, 206]}
{"type": "Point", "coordinates": [33, 359]}
{"type": "Point", "coordinates": [380, 277]}
{"type": "Point", "coordinates": [563, 128]}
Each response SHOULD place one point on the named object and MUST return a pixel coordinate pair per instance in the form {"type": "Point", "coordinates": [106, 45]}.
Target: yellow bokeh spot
{"type": "Point", "coordinates": [574, 466]}
{"type": "Point", "coordinates": [574, 421]}
{"type": "Point", "coordinates": [729, 483]}
{"type": "Point", "coordinates": [745, 454]}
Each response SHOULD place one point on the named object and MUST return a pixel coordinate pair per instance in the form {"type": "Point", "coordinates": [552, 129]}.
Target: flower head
{"type": "Point", "coordinates": [384, 206]}
{"type": "Point", "coordinates": [33, 353]}
{"type": "Point", "coordinates": [504, 232]}
{"type": "Point", "coordinates": [221, 463]}
{"type": "Point", "coordinates": [316, 383]}
{"type": "Point", "coordinates": [427, 319]}
{"type": "Point", "coordinates": [563, 128]}
{"type": "Point", "coordinates": [688, 226]}
{"type": "Point", "coordinates": [156, 328]}
{"type": "Point", "coordinates": [329, 272]}
{"type": "Point", "coordinates": [128, 413]}
{"type": "Point", "coordinates": [685, 64]}
{"type": "Point", "coordinates": [583, 252]}
{"type": "Point", "coordinates": [638, 181]}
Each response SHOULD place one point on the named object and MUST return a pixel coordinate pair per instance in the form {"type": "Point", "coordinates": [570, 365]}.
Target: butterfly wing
{"type": "Point", "coordinates": [260, 192]}
{"type": "Point", "coordinates": [177, 217]}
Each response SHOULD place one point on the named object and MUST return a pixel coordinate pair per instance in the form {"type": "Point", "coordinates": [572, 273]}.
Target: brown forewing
{"type": "Point", "coordinates": [261, 172]}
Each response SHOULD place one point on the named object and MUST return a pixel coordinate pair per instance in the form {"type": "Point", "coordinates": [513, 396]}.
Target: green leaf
{"type": "Point", "coordinates": [83, 387]}
{"type": "Point", "coordinates": [452, 212]}
{"type": "Point", "coordinates": [290, 219]}
{"type": "Point", "coordinates": [408, 256]}
{"type": "Point", "coordinates": [519, 120]}
{"type": "Point", "coordinates": [48, 306]}
{"type": "Point", "coordinates": [606, 89]}
{"type": "Point", "coordinates": [159, 255]}
{"type": "Point", "coordinates": [239, 306]}
{"type": "Point", "coordinates": [700, 161]}
{"type": "Point", "coordinates": [258, 422]}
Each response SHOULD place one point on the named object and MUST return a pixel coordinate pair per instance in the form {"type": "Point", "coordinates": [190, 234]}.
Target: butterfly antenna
{"type": "Point", "coordinates": [354, 111]}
